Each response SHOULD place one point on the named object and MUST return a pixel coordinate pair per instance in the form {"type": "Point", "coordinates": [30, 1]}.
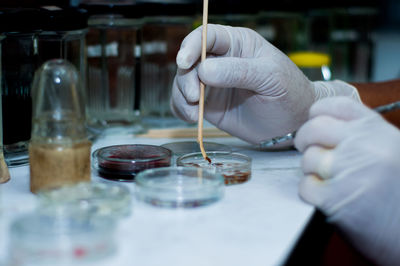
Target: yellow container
{"type": "Point", "coordinates": [315, 65]}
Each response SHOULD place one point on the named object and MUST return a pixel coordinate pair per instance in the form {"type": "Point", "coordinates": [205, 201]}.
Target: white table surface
{"type": "Point", "coordinates": [255, 223]}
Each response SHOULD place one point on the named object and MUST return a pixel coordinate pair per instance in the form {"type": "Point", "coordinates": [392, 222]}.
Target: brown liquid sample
{"type": "Point", "coordinates": [55, 165]}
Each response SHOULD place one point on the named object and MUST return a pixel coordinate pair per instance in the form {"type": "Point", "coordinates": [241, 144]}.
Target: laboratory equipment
{"type": "Point", "coordinates": [124, 162]}
{"type": "Point", "coordinates": [234, 167]}
{"type": "Point", "coordinates": [59, 150]}
{"type": "Point", "coordinates": [179, 187]}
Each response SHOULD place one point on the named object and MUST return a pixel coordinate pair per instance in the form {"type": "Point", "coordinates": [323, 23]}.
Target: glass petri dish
{"type": "Point", "coordinates": [234, 167]}
{"type": "Point", "coordinates": [179, 187]}
{"type": "Point", "coordinates": [180, 148]}
{"type": "Point", "coordinates": [37, 239]}
{"type": "Point", "coordinates": [123, 162]}
{"type": "Point", "coordinates": [91, 199]}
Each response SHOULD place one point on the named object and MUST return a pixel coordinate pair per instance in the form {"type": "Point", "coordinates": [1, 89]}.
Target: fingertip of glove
{"type": "Point", "coordinates": [308, 189]}
{"type": "Point", "coordinates": [183, 60]}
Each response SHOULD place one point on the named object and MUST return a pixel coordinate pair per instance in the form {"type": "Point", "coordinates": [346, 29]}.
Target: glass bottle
{"type": "Point", "coordinates": [4, 173]}
{"type": "Point", "coordinates": [165, 26]}
{"type": "Point", "coordinates": [19, 61]}
{"type": "Point", "coordinates": [62, 35]}
{"type": "Point", "coordinates": [112, 50]}
{"type": "Point", "coordinates": [59, 150]}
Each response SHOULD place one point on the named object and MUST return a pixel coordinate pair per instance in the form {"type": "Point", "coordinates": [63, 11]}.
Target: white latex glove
{"type": "Point", "coordinates": [356, 155]}
{"type": "Point", "coordinates": [254, 92]}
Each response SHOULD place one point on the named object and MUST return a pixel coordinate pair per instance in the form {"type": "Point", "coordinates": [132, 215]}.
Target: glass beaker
{"type": "Point", "coordinates": [112, 53]}
{"type": "Point", "coordinates": [166, 25]}
{"type": "Point", "coordinates": [62, 35]}
{"type": "Point", "coordinates": [4, 174]}
{"type": "Point", "coordinates": [59, 151]}
{"type": "Point", "coordinates": [352, 42]}
{"type": "Point", "coordinates": [19, 61]}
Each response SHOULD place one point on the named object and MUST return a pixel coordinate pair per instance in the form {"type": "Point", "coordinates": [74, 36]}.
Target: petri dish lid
{"type": "Point", "coordinates": [87, 199]}
{"type": "Point", "coordinates": [42, 239]}
{"type": "Point", "coordinates": [183, 147]}
{"type": "Point", "coordinates": [123, 162]}
{"type": "Point", "coordinates": [179, 187]}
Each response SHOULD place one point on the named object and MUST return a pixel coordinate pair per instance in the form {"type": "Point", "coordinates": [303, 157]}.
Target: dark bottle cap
{"type": "Point", "coordinates": [54, 18]}
{"type": "Point", "coordinates": [125, 10]}
{"type": "Point", "coordinates": [169, 8]}
{"type": "Point", "coordinates": [20, 20]}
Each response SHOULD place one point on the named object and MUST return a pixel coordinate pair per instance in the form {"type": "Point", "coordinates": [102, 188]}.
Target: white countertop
{"type": "Point", "coordinates": [255, 223]}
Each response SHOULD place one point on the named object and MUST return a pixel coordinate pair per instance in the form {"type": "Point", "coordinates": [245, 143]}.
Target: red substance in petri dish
{"type": "Point", "coordinates": [237, 178]}
{"type": "Point", "coordinates": [123, 162]}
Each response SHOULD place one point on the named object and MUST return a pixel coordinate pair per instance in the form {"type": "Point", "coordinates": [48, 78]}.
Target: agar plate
{"type": "Point", "coordinates": [234, 167]}
{"type": "Point", "coordinates": [179, 187]}
{"type": "Point", "coordinates": [180, 148]}
{"type": "Point", "coordinates": [123, 162]}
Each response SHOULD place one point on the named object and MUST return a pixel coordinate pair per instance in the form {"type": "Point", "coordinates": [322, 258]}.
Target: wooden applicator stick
{"type": "Point", "coordinates": [202, 86]}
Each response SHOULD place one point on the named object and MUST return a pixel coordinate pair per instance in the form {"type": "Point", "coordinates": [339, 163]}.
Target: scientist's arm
{"type": "Point", "coordinates": [381, 93]}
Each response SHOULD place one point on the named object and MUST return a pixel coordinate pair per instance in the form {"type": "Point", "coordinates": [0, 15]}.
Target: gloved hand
{"type": "Point", "coordinates": [352, 173]}
{"type": "Point", "coordinates": [254, 92]}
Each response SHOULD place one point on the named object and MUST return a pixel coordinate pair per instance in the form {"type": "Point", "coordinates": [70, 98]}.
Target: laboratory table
{"type": "Point", "coordinates": [256, 223]}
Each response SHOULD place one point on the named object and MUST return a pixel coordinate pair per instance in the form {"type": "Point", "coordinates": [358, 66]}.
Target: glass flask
{"type": "Point", "coordinates": [112, 53]}
{"type": "Point", "coordinates": [165, 26]}
{"type": "Point", "coordinates": [59, 150]}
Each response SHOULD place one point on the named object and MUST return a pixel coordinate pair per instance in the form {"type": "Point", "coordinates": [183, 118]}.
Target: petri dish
{"type": "Point", "coordinates": [180, 148]}
{"type": "Point", "coordinates": [90, 199]}
{"type": "Point", "coordinates": [123, 162]}
{"type": "Point", "coordinates": [179, 187]}
{"type": "Point", "coordinates": [38, 239]}
{"type": "Point", "coordinates": [234, 167]}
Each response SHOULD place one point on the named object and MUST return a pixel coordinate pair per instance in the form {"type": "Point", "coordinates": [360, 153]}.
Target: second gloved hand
{"type": "Point", "coordinates": [254, 91]}
{"type": "Point", "coordinates": [352, 174]}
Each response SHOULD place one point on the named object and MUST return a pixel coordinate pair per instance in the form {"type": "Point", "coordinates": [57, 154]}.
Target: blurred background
{"type": "Point", "coordinates": [361, 36]}
{"type": "Point", "coordinates": [125, 51]}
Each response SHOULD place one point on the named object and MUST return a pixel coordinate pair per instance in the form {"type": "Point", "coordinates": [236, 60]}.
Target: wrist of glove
{"type": "Point", "coordinates": [352, 173]}
{"type": "Point", "coordinates": [324, 89]}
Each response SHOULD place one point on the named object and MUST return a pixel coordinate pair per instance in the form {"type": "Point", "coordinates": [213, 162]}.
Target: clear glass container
{"type": "Point", "coordinates": [62, 239]}
{"type": "Point", "coordinates": [59, 150]}
{"type": "Point", "coordinates": [97, 199]}
{"type": "Point", "coordinates": [234, 167]}
{"type": "Point", "coordinates": [284, 29]}
{"type": "Point", "coordinates": [179, 187]}
{"type": "Point", "coordinates": [62, 35]}
{"type": "Point", "coordinates": [4, 174]}
{"type": "Point", "coordinates": [124, 162]}
{"type": "Point", "coordinates": [112, 56]}
{"type": "Point", "coordinates": [19, 60]}
{"type": "Point", "coordinates": [165, 26]}
{"type": "Point", "coordinates": [352, 42]}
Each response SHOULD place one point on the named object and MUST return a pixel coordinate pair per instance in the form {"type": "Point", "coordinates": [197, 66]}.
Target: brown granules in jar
{"type": "Point", "coordinates": [55, 165]}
